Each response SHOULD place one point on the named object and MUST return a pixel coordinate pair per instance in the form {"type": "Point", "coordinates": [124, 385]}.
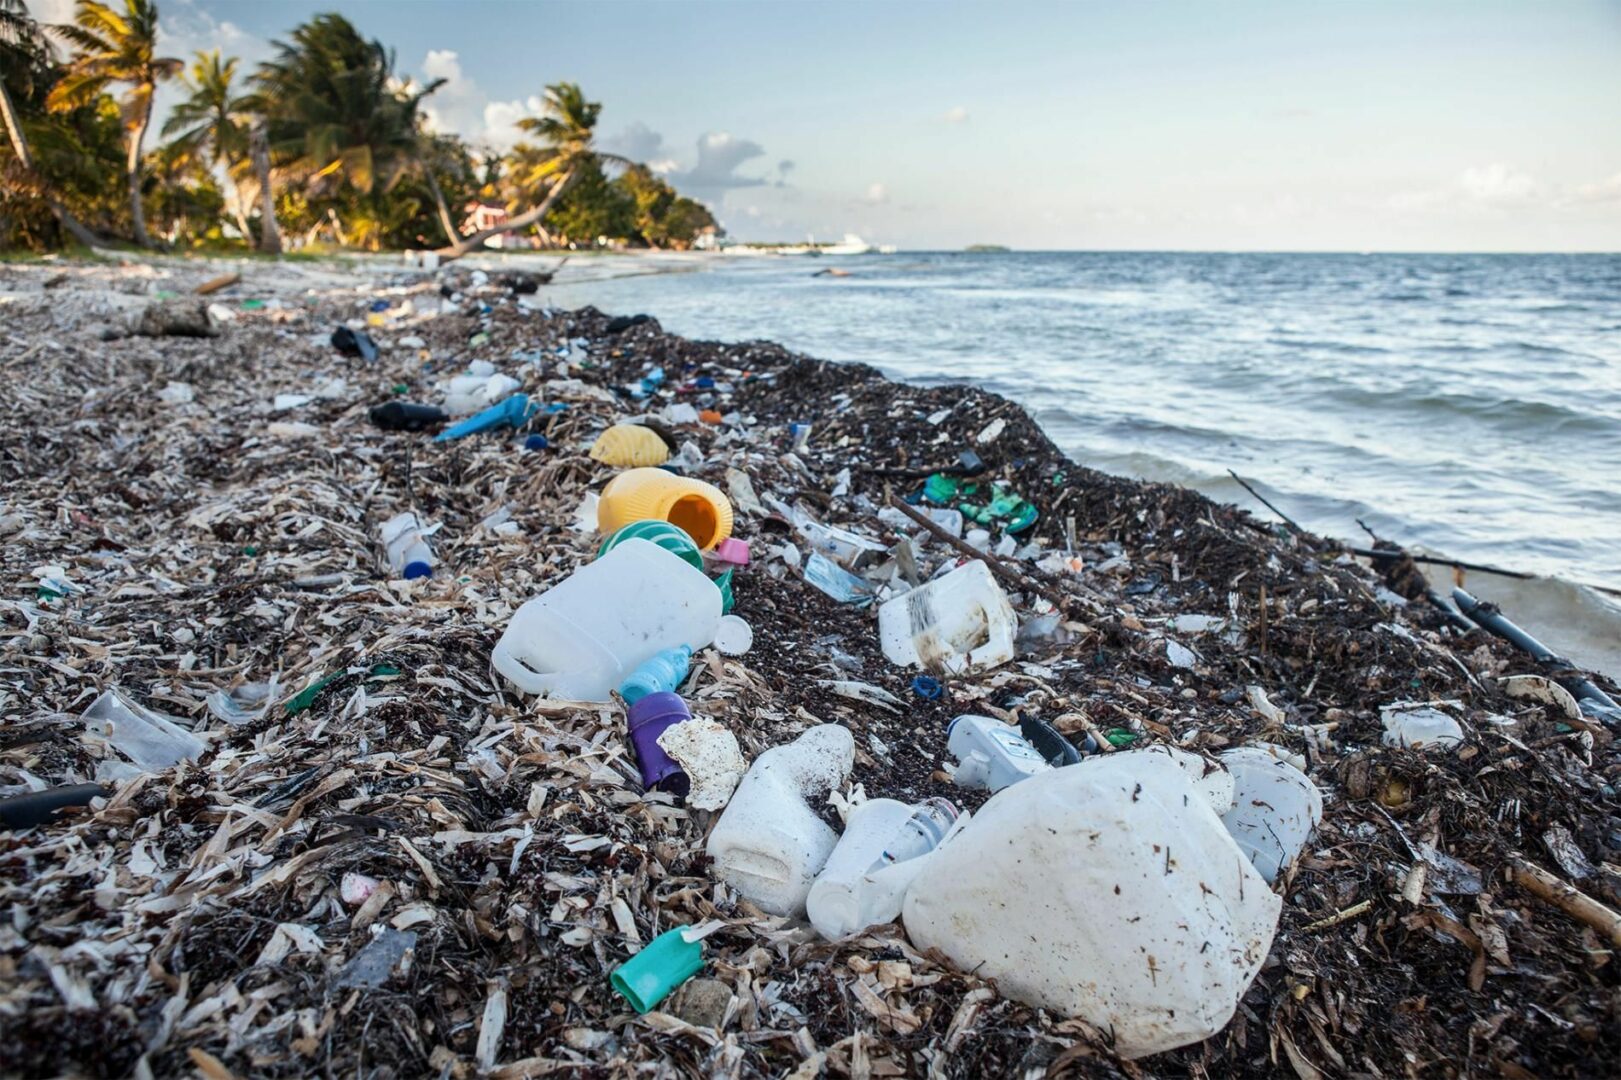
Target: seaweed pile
{"type": "Point", "coordinates": [165, 530]}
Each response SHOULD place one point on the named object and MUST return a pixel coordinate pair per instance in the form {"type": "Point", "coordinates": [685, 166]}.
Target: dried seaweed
{"type": "Point", "coordinates": [196, 918]}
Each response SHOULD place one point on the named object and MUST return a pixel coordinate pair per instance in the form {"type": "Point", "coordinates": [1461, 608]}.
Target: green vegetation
{"type": "Point", "coordinates": [986, 248]}
{"type": "Point", "coordinates": [324, 145]}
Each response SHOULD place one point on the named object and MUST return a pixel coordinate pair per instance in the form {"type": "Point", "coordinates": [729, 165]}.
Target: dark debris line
{"type": "Point", "coordinates": [196, 920]}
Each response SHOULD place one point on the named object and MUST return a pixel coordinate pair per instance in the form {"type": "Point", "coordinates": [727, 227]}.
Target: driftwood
{"type": "Point", "coordinates": [1567, 898]}
{"type": "Point", "coordinates": [214, 285]}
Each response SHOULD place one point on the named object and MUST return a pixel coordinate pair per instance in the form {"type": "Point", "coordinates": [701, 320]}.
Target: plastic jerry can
{"type": "Point", "coordinates": [957, 623]}
{"type": "Point", "coordinates": [881, 851]}
{"type": "Point", "coordinates": [1108, 891]}
{"type": "Point", "coordinates": [583, 636]}
{"type": "Point", "coordinates": [991, 754]}
{"type": "Point", "coordinates": [769, 844]}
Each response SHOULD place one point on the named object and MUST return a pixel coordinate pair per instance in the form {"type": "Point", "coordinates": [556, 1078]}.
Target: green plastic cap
{"type": "Point", "coordinates": [663, 964]}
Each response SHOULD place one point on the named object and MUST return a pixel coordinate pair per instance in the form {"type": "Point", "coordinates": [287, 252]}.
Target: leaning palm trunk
{"type": "Point", "coordinates": [25, 158]}
{"type": "Point", "coordinates": [133, 167]}
{"type": "Point", "coordinates": [240, 210]}
{"type": "Point", "coordinates": [452, 237]}
{"type": "Point", "coordinates": [522, 221]}
{"type": "Point", "coordinates": [269, 237]}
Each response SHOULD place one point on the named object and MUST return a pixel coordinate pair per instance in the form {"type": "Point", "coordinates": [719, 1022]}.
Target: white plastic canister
{"type": "Point", "coordinates": [582, 637]}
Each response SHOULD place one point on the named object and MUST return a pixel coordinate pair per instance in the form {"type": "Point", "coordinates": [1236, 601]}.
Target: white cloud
{"type": "Point", "coordinates": [876, 195]}
{"type": "Point", "coordinates": [719, 155]}
{"type": "Point", "coordinates": [956, 115]}
{"type": "Point", "coordinates": [500, 118]}
{"type": "Point", "coordinates": [1478, 189]}
{"type": "Point", "coordinates": [1608, 190]}
{"type": "Point", "coordinates": [1498, 185]}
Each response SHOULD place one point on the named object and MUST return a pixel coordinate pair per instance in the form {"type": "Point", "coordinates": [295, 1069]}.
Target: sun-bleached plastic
{"type": "Point", "coordinates": [991, 755]}
{"type": "Point", "coordinates": [467, 394]}
{"type": "Point", "coordinates": [148, 738]}
{"type": "Point", "coordinates": [582, 637]}
{"type": "Point", "coordinates": [958, 623]}
{"type": "Point", "coordinates": [1409, 724]}
{"type": "Point", "coordinates": [627, 445]}
{"type": "Point", "coordinates": [1275, 808]}
{"type": "Point", "coordinates": [1107, 890]}
{"type": "Point", "coordinates": [701, 509]}
{"type": "Point", "coordinates": [769, 844]}
{"type": "Point", "coordinates": [884, 846]}
{"type": "Point", "coordinates": [406, 547]}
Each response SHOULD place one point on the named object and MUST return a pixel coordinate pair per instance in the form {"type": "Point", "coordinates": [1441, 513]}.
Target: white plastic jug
{"type": "Point", "coordinates": [884, 846]}
{"type": "Point", "coordinates": [769, 844]}
{"type": "Point", "coordinates": [1275, 808]}
{"type": "Point", "coordinates": [582, 637]}
{"type": "Point", "coordinates": [1107, 890]}
{"type": "Point", "coordinates": [957, 623]}
{"type": "Point", "coordinates": [990, 754]}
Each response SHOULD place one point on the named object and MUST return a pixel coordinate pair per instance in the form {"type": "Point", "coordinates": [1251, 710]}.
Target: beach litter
{"type": "Point", "coordinates": [324, 818]}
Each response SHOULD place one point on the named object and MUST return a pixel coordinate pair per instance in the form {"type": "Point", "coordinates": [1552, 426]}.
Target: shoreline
{"type": "Point", "coordinates": [154, 508]}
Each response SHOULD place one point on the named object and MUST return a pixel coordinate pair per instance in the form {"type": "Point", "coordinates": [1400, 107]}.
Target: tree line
{"type": "Point", "coordinates": [323, 142]}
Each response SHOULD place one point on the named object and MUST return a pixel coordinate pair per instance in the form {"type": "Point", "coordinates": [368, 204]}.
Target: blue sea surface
{"type": "Point", "coordinates": [1466, 404]}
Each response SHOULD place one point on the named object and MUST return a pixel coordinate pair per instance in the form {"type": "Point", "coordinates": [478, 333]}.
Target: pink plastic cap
{"type": "Point", "coordinates": [732, 550]}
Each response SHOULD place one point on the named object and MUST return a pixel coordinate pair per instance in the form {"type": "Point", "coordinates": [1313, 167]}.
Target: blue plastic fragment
{"type": "Point", "coordinates": [536, 442]}
{"type": "Point", "coordinates": [926, 688]}
{"type": "Point", "coordinates": [512, 412]}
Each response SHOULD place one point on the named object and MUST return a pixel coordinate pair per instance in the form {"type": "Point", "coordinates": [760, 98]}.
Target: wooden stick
{"type": "Point", "coordinates": [1340, 916]}
{"type": "Point", "coordinates": [1567, 898]}
{"type": "Point", "coordinates": [214, 285]}
{"type": "Point", "coordinates": [1018, 580]}
{"type": "Point", "coordinates": [1286, 519]}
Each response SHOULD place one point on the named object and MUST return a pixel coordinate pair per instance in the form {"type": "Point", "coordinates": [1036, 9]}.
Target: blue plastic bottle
{"type": "Point", "coordinates": [660, 674]}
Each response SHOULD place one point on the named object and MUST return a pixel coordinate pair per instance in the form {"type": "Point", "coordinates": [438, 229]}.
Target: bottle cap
{"type": "Point", "coordinates": [733, 637]}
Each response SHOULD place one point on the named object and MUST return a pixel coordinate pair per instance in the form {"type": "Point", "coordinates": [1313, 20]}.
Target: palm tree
{"type": "Point", "coordinates": [25, 53]}
{"type": "Point", "coordinates": [209, 126]}
{"type": "Point", "coordinates": [338, 115]}
{"type": "Point", "coordinates": [116, 47]}
{"type": "Point", "coordinates": [567, 131]}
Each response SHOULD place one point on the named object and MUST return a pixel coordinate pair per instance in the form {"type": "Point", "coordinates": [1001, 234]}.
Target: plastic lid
{"type": "Point", "coordinates": [733, 637]}
{"type": "Point", "coordinates": [418, 569]}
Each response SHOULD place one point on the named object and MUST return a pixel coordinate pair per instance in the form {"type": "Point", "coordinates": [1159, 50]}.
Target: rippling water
{"type": "Point", "coordinates": [1467, 404]}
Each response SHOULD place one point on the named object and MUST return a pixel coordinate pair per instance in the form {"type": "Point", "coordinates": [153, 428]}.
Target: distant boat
{"type": "Point", "coordinates": [850, 245]}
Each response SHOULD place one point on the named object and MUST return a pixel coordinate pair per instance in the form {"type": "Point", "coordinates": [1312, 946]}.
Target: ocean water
{"type": "Point", "coordinates": [1468, 405]}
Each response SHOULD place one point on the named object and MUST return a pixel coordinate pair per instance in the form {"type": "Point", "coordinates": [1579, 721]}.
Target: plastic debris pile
{"type": "Point", "coordinates": [444, 683]}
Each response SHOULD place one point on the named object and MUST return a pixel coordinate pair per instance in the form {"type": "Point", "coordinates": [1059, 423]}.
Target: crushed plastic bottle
{"type": "Point", "coordinates": [865, 879]}
{"type": "Point", "coordinates": [770, 844]}
{"type": "Point", "coordinates": [151, 740]}
{"type": "Point", "coordinates": [405, 546]}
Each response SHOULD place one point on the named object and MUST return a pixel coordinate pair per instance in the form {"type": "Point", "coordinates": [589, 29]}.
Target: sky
{"type": "Point", "coordinates": [1365, 126]}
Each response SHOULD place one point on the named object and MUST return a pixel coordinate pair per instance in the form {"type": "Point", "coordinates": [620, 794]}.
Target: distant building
{"type": "Point", "coordinates": [481, 216]}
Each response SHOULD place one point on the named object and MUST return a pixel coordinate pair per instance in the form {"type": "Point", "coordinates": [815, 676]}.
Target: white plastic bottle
{"type": "Point", "coordinates": [582, 637]}
{"type": "Point", "coordinates": [991, 754]}
{"type": "Point", "coordinates": [769, 844]}
{"type": "Point", "coordinates": [881, 851]}
{"type": "Point", "coordinates": [406, 546]}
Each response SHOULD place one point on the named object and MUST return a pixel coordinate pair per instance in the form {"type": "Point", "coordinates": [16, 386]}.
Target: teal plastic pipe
{"type": "Point", "coordinates": [663, 964]}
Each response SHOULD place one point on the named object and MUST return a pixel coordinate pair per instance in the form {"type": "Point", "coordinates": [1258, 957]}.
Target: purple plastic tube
{"type": "Point", "coordinates": [647, 720]}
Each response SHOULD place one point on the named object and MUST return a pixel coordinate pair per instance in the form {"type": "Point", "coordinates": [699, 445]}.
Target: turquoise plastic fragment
{"type": "Point", "coordinates": [663, 964]}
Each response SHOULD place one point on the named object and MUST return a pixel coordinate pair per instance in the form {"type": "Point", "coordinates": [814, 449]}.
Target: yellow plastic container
{"type": "Point", "coordinates": [627, 445]}
{"type": "Point", "coordinates": [701, 510]}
